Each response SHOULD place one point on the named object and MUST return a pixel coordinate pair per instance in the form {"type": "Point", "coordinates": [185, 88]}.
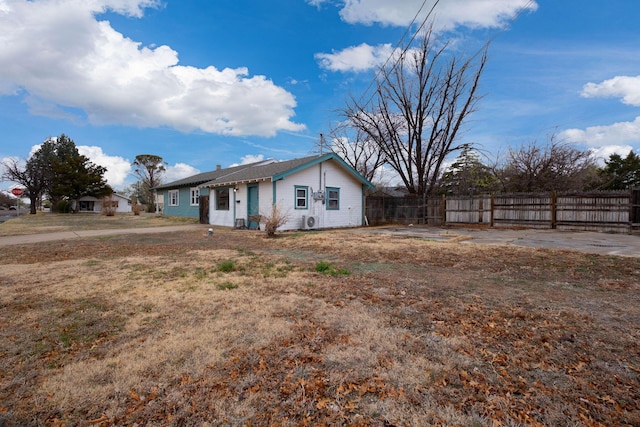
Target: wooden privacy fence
{"type": "Point", "coordinates": [597, 211]}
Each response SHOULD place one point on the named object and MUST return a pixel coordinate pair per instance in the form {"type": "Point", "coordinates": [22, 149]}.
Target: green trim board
{"type": "Point", "coordinates": [322, 159]}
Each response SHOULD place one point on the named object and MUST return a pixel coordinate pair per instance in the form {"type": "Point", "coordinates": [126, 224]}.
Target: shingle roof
{"type": "Point", "coordinates": [260, 172]}
{"type": "Point", "coordinates": [200, 178]}
{"type": "Point", "coordinates": [254, 172]}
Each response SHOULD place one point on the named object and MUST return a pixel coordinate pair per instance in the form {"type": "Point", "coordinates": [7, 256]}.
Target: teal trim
{"type": "Point", "coordinates": [306, 197]}
{"type": "Point", "coordinates": [321, 159]}
{"type": "Point", "coordinates": [274, 199]}
{"type": "Point", "coordinates": [328, 200]}
{"type": "Point", "coordinates": [253, 204]}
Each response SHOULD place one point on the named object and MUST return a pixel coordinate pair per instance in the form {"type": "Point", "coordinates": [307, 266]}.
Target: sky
{"type": "Point", "coordinates": [204, 83]}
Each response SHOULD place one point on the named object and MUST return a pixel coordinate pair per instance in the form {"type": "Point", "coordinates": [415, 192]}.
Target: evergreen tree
{"type": "Point", "coordinates": [621, 173]}
{"type": "Point", "coordinates": [468, 175]}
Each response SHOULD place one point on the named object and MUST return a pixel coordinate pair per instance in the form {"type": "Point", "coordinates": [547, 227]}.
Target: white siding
{"type": "Point", "coordinates": [316, 178]}
{"type": "Point", "coordinates": [221, 217]}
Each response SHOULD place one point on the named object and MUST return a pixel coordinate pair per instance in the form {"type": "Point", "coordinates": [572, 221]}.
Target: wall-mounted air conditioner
{"type": "Point", "coordinates": [309, 222]}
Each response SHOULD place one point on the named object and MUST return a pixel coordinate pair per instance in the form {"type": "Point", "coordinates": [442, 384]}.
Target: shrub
{"type": "Point", "coordinates": [63, 206]}
{"type": "Point", "coordinates": [108, 206]}
{"type": "Point", "coordinates": [275, 220]}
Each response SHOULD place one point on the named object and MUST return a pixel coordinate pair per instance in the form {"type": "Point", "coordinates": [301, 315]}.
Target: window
{"type": "Point", "coordinates": [333, 198]}
{"type": "Point", "coordinates": [222, 199]}
{"type": "Point", "coordinates": [173, 198]}
{"type": "Point", "coordinates": [195, 196]}
{"type": "Point", "coordinates": [302, 197]}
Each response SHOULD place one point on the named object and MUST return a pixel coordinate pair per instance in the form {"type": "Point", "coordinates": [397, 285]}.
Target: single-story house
{"type": "Point", "coordinates": [121, 203]}
{"type": "Point", "coordinates": [320, 191]}
{"type": "Point", "coordinates": [182, 197]}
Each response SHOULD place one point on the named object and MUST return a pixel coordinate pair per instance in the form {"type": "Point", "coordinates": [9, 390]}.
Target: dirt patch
{"type": "Point", "coordinates": [235, 329]}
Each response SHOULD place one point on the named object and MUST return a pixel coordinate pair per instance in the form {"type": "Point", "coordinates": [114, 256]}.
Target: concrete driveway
{"type": "Point", "coordinates": [581, 241]}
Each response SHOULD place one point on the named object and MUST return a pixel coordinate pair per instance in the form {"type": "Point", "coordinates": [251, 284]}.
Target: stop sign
{"type": "Point", "coordinates": [17, 192]}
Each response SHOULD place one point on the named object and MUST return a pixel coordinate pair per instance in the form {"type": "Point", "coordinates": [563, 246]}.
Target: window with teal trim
{"type": "Point", "coordinates": [302, 197]}
{"type": "Point", "coordinates": [333, 198]}
{"type": "Point", "coordinates": [222, 199]}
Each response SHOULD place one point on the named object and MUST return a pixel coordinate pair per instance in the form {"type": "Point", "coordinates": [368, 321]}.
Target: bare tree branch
{"type": "Point", "coordinates": [420, 104]}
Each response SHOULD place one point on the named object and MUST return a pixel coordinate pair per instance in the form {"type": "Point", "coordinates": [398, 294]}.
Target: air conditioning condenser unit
{"type": "Point", "coordinates": [309, 222]}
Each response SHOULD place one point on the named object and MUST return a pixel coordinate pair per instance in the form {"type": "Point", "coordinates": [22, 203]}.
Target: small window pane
{"type": "Point", "coordinates": [333, 198]}
{"type": "Point", "coordinates": [222, 199]}
{"type": "Point", "coordinates": [301, 198]}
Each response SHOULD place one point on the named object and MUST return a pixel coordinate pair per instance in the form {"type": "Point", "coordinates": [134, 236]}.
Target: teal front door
{"type": "Point", "coordinates": [253, 206]}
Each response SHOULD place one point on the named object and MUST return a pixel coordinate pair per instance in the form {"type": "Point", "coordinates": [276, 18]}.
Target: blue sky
{"type": "Point", "coordinates": [204, 82]}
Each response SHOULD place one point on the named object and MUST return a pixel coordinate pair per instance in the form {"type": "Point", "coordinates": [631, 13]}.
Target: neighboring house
{"type": "Point", "coordinates": [92, 204]}
{"type": "Point", "coordinates": [320, 191]}
{"type": "Point", "coordinates": [183, 197]}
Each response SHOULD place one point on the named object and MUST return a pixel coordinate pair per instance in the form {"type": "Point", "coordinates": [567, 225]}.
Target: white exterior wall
{"type": "Point", "coordinates": [317, 178]}
{"type": "Point", "coordinates": [124, 204]}
{"type": "Point", "coordinates": [222, 218]}
{"type": "Point", "coordinates": [349, 213]}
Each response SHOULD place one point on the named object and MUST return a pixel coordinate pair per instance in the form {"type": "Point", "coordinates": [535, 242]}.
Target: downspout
{"type": "Point", "coordinates": [234, 205]}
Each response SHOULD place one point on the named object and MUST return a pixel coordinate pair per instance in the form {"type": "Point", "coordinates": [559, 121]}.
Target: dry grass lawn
{"type": "Point", "coordinates": [317, 328]}
{"type": "Point", "coordinates": [51, 223]}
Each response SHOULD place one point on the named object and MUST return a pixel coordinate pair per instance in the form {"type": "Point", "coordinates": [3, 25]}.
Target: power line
{"type": "Point", "coordinates": [415, 34]}
{"type": "Point", "coordinates": [404, 50]}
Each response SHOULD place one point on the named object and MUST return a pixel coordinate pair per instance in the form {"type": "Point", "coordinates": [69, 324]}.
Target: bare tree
{"type": "Point", "coordinates": [555, 165]}
{"type": "Point", "coordinates": [420, 104]}
{"type": "Point", "coordinates": [149, 169]}
{"type": "Point", "coordinates": [35, 177]}
{"type": "Point", "coordinates": [355, 147]}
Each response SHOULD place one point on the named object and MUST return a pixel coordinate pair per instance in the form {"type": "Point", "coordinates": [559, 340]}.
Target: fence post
{"type": "Point", "coordinates": [443, 210]}
{"type": "Point", "coordinates": [553, 209]}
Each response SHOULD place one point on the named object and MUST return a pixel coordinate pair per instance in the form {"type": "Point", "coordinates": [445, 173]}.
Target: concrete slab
{"type": "Point", "coordinates": [581, 241]}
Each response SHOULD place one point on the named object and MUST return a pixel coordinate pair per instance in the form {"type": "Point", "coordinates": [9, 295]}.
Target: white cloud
{"type": "Point", "coordinates": [179, 171]}
{"type": "Point", "coordinates": [622, 133]}
{"type": "Point", "coordinates": [603, 153]}
{"type": "Point", "coordinates": [625, 87]}
{"type": "Point", "coordinates": [58, 53]}
{"type": "Point", "coordinates": [251, 158]}
{"type": "Point", "coordinates": [448, 14]}
{"type": "Point", "coordinates": [248, 159]}
{"type": "Point", "coordinates": [356, 58]}
{"type": "Point", "coordinates": [317, 3]}
{"type": "Point", "coordinates": [118, 168]}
